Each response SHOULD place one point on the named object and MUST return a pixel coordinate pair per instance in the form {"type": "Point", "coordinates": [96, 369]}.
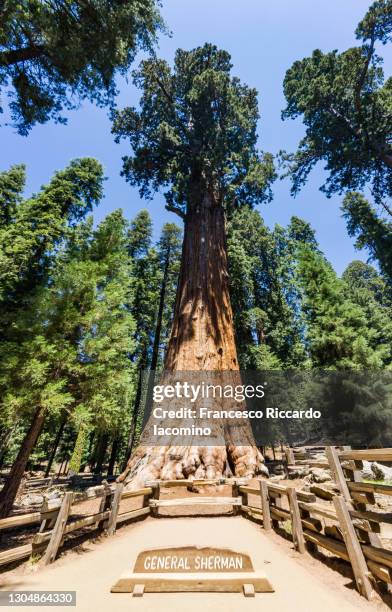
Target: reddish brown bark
{"type": "Point", "coordinates": [10, 489]}
{"type": "Point", "coordinates": [202, 339]}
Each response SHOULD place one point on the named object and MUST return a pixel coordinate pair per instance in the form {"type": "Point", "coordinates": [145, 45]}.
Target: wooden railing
{"type": "Point", "coordinates": [342, 523]}
{"type": "Point", "coordinates": [56, 523]}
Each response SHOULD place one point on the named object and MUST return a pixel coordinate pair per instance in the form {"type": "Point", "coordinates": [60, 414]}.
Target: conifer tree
{"type": "Point", "coordinates": [195, 136]}
{"type": "Point", "coordinates": [36, 359]}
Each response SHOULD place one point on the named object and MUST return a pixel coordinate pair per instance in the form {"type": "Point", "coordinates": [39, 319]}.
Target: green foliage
{"type": "Point", "coordinates": [75, 461]}
{"type": "Point", "coordinates": [264, 290]}
{"type": "Point", "coordinates": [195, 132]}
{"type": "Point", "coordinates": [345, 103]}
{"type": "Point", "coordinates": [33, 229]}
{"type": "Point", "coordinates": [54, 54]}
{"type": "Point", "coordinates": [370, 231]}
{"type": "Point", "coordinates": [368, 289]}
{"type": "Point", "coordinates": [338, 331]}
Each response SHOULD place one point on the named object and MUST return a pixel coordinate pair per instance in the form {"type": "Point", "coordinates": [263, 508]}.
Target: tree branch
{"type": "Point", "coordinates": [175, 210]}
{"type": "Point", "coordinates": [15, 56]}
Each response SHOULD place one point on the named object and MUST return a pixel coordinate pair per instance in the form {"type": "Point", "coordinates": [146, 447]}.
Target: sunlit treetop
{"type": "Point", "coordinates": [194, 132]}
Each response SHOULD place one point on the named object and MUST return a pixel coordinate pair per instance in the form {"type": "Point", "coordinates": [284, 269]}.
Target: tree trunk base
{"type": "Point", "coordinates": [199, 462]}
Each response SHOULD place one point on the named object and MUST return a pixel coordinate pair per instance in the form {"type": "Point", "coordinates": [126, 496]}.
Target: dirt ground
{"type": "Point", "coordinates": [301, 582]}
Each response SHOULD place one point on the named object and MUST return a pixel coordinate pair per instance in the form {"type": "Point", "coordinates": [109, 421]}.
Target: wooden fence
{"type": "Point", "coordinates": [337, 519]}
{"type": "Point", "coordinates": [55, 521]}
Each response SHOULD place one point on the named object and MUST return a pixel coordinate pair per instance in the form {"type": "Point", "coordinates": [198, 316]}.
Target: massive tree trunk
{"type": "Point", "coordinates": [202, 339]}
{"type": "Point", "coordinates": [10, 489]}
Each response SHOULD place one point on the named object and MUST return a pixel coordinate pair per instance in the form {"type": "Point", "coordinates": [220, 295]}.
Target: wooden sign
{"type": "Point", "coordinates": [192, 569]}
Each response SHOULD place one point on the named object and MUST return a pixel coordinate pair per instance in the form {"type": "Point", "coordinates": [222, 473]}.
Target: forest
{"type": "Point", "coordinates": [86, 308]}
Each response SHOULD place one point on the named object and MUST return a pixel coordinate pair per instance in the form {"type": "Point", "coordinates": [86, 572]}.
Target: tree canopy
{"type": "Point", "coordinates": [55, 53]}
{"type": "Point", "coordinates": [195, 131]}
{"type": "Point", "coordinates": [345, 103]}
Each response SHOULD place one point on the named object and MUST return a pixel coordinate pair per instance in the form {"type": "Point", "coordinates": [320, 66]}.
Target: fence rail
{"type": "Point", "coordinates": [343, 523]}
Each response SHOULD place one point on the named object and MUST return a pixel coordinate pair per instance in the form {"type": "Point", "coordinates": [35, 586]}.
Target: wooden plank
{"type": "Point", "coordinates": [319, 510]}
{"type": "Point", "coordinates": [372, 516]}
{"type": "Point", "coordinates": [127, 516]}
{"type": "Point", "coordinates": [337, 472]}
{"type": "Point", "coordinates": [354, 550]}
{"type": "Point", "coordinates": [334, 531]}
{"type": "Point", "coordinates": [186, 482]}
{"type": "Point", "coordinates": [191, 501]}
{"type": "Point", "coordinates": [312, 463]}
{"type": "Point", "coordinates": [306, 497]}
{"type": "Point", "coordinates": [279, 514]}
{"type": "Point", "coordinates": [20, 520]}
{"type": "Point", "coordinates": [138, 590]}
{"type": "Point", "coordinates": [380, 571]}
{"type": "Point", "coordinates": [370, 487]}
{"type": "Point", "coordinates": [249, 590]}
{"type": "Point", "coordinates": [370, 454]}
{"type": "Point", "coordinates": [265, 507]}
{"type": "Point", "coordinates": [323, 492]}
{"type": "Point", "coordinates": [251, 510]}
{"type": "Point", "coordinates": [58, 531]}
{"type": "Point", "coordinates": [87, 521]}
{"type": "Point", "coordinates": [223, 582]}
{"type": "Point", "coordinates": [335, 547]}
{"type": "Point", "coordinates": [137, 493]}
{"type": "Point", "coordinates": [249, 490]}
{"type": "Point", "coordinates": [111, 527]}
{"type": "Point", "coordinates": [379, 555]}
{"type": "Point", "coordinates": [15, 554]}
{"type": "Point", "coordinates": [275, 488]}
{"type": "Point", "coordinates": [298, 536]}
{"type": "Point", "coordinates": [311, 523]}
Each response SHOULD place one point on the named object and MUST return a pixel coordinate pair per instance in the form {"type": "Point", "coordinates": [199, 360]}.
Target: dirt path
{"type": "Point", "coordinates": [301, 583]}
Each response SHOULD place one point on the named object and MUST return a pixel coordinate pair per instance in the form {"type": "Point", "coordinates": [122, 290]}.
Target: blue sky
{"type": "Point", "coordinates": [264, 37]}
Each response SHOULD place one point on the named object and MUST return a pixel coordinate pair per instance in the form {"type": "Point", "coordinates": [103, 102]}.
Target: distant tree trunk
{"type": "Point", "coordinates": [56, 444]}
{"type": "Point", "coordinates": [100, 453]}
{"type": "Point", "coordinates": [10, 489]}
{"type": "Point", "coordinates": [202, 338]}
{"type": "Point", "coordinates": [113, 456]}
{"type": "Point", "coordinates": [136, 407]}
{"type": "Point", "coordinates": [158, 327]}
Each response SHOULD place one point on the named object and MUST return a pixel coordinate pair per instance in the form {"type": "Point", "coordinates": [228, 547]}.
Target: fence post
{"type": "Point", "coordinates": [106, 504]}
{"type": "Point", "coordinates": [290, 456]}
{"type": "Point", "coordinates": [337, 472]}
{"type": "Point", "coordinates": [112, 523]}
{"type": "Point", "coordinates": [298, 536]}
{"type": "Point", "coordinates": [354, 550]}
{"type": "Point", "coordinates": [265, 505]}
{"type": "Point", "coordinates": [155, 495]}
{"type": "Point", "coordinates": [58, 530]}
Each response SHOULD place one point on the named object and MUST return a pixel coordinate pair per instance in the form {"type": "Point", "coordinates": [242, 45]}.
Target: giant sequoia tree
{"type": "Point", "coordinates": [56, 52]}
{"type": "Point", "coordinates": [195, 135]}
